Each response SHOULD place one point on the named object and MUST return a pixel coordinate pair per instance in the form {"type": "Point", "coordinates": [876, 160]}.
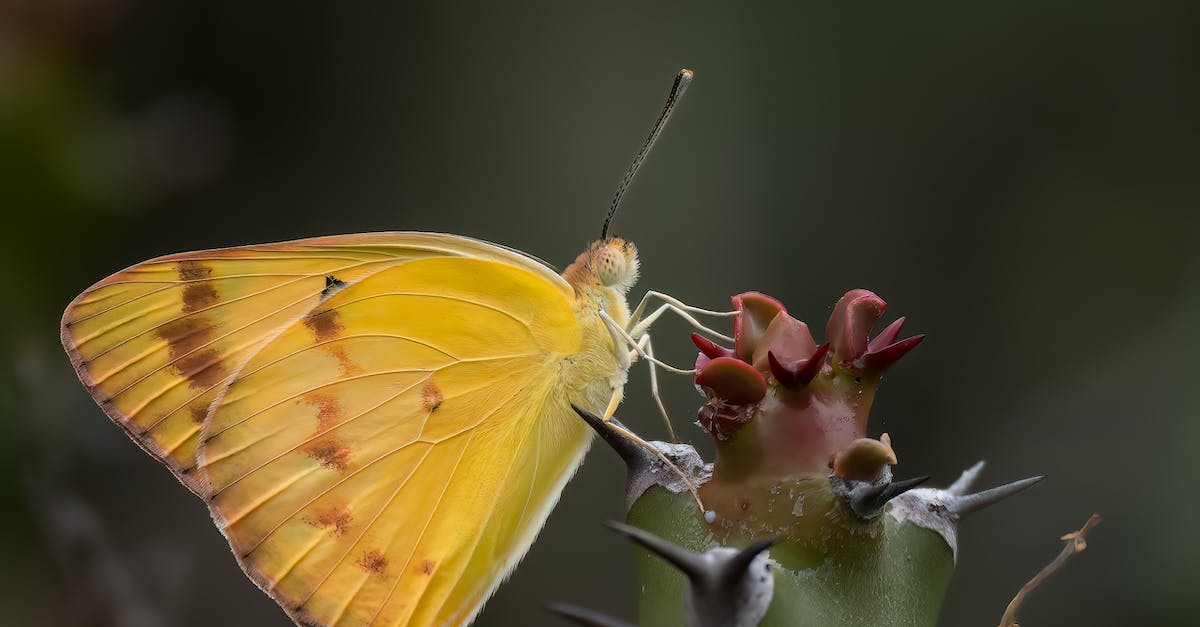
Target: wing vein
{"type": "Point", "coordinates": [208, 309]}
{"type": "Point", "coordinates": [160, 346]}
{"type": "Point", "coordinates": [532, 482]}
{"type": "Point", "coordinates": [432, 514]}
{"type": "Point", "coordinates": [332, 428]}
{"type": "Point", "coordinates": [358, 377]}
{"type": "Point", "coordinates": [525, 323]}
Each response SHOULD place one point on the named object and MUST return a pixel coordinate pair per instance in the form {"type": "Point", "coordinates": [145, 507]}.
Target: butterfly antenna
{"type": "Point", "coordinates": [682, 80]}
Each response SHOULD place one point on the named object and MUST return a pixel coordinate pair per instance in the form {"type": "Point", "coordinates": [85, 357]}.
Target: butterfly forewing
{"type": "Point", "coordinates": [157, 342]}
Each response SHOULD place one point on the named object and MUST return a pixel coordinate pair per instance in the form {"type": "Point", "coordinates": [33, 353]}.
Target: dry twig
{"type": "Point", "coordinates": [1075, 542]}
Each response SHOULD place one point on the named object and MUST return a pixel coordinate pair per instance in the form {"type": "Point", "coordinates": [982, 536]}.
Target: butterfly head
{"type": "Point", "coordinates": [608, 264]}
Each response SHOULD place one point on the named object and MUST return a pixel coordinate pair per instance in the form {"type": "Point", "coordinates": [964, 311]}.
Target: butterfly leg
{"type": "Point", "coordinates": [637, 312]}
{"type": "Point", "coordinates": [679, 307]}
{"type": "Point", "coordinates": [621, 335]}
{"type": "Point", "coordinates": [612, 405]}
{"type": "Point", "coordinates": [638, 327]}
{"type": "Point", "coordinates": [645, 345]}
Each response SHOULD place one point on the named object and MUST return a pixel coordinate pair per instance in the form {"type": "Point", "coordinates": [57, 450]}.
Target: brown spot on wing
{"type": "Point", "coordinates": [324, 324]}
{"type": "Point", "coordinates": [426, 567]}
{"type": "Point", "coordinates": [203, 368]}
{"type": "Point", "coordinates": [199, 293]}
{"type": "Point", "coordinates": [192, 270]}
{"type": "Point", "coordinates": [332, 453]}
{"type": "Point", "coordinates": [431, 396]}
{"type": "Point", "coordinates": [197, 296]}
{"type": "Point", "coordinates": [329, 410]}
{"type": "Point", "coordinates": [373, 561]}
{"type": "Point", "coordinates": [187, 334]}
{"type": "Point", "coordinates": [345, 363]}
{"type": "Point", "coordinates": [336, 519]}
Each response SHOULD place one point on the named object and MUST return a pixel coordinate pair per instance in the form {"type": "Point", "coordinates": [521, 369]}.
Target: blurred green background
{"type": "Point", "coordinates": [1018, 177]}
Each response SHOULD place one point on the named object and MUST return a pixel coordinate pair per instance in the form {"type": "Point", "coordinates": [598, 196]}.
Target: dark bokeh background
{"type": "Point", "coordinates": [1019, 178]}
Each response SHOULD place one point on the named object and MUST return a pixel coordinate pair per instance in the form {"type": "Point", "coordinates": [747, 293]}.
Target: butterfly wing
{"type": "Point", "coordinates": [387, 458]}
{"type": "Point", "coordinates": [379, 423]}
{"type": "Point", "coordinates": [155, 343]}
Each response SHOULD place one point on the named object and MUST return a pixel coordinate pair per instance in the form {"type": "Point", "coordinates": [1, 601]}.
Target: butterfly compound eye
{"type": "Point", "coordinates": [611, 266]}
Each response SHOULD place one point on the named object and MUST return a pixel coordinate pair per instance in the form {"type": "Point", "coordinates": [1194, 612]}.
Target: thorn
{"type": "Point", "coordinates": [813, 366]}
{"type": "Point", "coordinates": [686, 561]}
{"type": "Point", "coordinates": [711, 349]}
{"type": "Point", "coordinates": [724, 588]}
{"type": "Point", "coordinates": [883, 358]}
{"type": "Point", "coordinates": [798, 373]}
{"type": "Point", "coordinates": [583, 616]}
{"type": "Point", "coordinates": [703, 569]}
{"type": "Point", "coordinates": [635, 457]}
{"type": "Point", "coordinates": [785, 376]}
{"type": "Point", "coordinates": [961, 505]}
{"type": "Point", "coordinates": [868, 501]}
{"type": "Point", "coordinates": [966, 479]}
{"type": "Point", "coordinates": [738, 565]}
{"type": "Point", "coordinates": [886, 336]}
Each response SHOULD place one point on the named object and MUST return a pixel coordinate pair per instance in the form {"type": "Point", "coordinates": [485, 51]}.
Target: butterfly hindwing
{"type": "Point", "coordinates": [427, 391]}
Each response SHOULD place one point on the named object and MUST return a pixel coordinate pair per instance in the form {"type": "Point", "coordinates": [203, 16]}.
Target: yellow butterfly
{"type": "Point", "coordinates": [379, 423]}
